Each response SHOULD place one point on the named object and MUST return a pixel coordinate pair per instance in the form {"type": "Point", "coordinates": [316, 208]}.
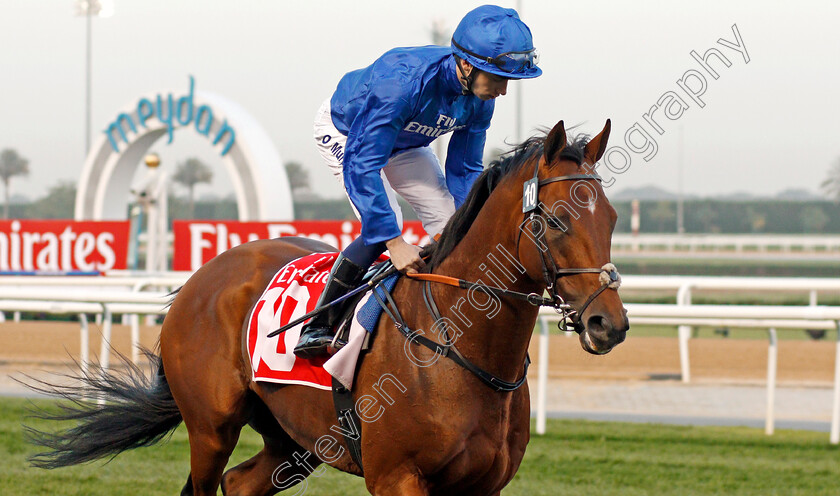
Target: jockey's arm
{"type": "Point", "coordinates": [369, 145]}
{"type": "Point", "coordinates": [465, 155]}
{"type": "Point", "coordinates": [370, 141]}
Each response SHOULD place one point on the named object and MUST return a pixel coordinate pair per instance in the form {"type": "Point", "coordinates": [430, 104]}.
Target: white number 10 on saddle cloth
{"type": "Point", "coordinates": [292, 292]}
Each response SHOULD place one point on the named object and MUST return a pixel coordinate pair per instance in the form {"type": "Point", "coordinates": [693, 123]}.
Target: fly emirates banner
{"type": "Point", "coordinates": [63, 245]}
{"type": "Point", "coordinates": [196, 242]}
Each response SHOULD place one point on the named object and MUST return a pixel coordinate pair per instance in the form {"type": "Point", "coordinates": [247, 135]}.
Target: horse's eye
{"type": "Point", "coordinates": [555, 223]}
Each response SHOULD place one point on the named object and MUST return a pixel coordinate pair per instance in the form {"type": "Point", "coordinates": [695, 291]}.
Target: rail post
{"type": "Point", "coordinates": [84, 338]}
{"type": "Point", "coordinates": [105, 348]}
{"type": "Point", "coordinates": [84, 353]}
{"type": "Point", "coordinates": [684, 333]}
{"type": "Point", "coordinates": [134, 319]}
{"type": "Point", "coordinates": [835, 412]}
{"type": "Point", "coordinates": [542, 380]}
{"type": "Point", "coordinates": [772, 356]}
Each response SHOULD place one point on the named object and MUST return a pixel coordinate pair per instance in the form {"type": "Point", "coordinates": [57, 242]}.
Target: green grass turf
{"type": "Point", "coordinates": [575, 458]}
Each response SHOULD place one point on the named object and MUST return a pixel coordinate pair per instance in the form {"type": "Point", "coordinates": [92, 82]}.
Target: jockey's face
{"type": "Point", "coordinates": [489, 86]}
{"type": "Point", "coordinates": [485, 85]}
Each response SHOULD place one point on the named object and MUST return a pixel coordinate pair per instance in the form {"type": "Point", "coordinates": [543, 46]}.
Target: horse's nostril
{"type": "Point", "coordinates": [598, 323]}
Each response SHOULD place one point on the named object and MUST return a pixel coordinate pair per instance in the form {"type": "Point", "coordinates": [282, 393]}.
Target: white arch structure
{"type": "Point", "coordinates": [251, 159]}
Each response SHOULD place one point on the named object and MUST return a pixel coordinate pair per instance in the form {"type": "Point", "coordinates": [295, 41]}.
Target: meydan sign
{"type": "Point", "coordinates": [171, 112]}
{"type": "Point", "coordinates": [254, 166]}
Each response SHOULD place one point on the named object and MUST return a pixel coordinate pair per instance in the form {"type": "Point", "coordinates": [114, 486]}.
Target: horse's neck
{"type": "Point", "coordinates": [495, 330]}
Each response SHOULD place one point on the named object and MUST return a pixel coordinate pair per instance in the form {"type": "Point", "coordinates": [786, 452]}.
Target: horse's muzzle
{"type": "Point", "coordinates": [600, 335]}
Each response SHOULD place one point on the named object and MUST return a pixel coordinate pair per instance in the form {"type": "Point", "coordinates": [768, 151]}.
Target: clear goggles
{"type": "Point", "coordinates": [510, 62]}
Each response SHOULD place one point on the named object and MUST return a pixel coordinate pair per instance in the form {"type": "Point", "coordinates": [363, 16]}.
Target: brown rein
{"type": "Point", "coordinates": [532, 298]}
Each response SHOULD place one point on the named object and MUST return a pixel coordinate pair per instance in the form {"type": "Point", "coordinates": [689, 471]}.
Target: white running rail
{"type": "Point", "coordinates": [752, 316]}
{"type": "Point", "coordinates": [140, 294]}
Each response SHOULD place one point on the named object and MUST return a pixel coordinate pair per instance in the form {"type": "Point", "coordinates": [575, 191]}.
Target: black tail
{"type": "Point", "coordinates": [137, 411]}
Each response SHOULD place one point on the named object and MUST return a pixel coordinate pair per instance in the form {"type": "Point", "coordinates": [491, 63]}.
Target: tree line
{"type": "Point", "coordinates": [700, 215]}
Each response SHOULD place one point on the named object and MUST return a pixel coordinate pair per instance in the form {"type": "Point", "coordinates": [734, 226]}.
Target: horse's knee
{"type": "Point", "coordinates": [242, 480]}
{"type": "Point", "coordinates": [271, 470]}
{"type": "Point", "coordinates": [403, 483]}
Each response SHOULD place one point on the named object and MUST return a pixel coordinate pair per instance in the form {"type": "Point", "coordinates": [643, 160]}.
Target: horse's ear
{"type": "Point", "coordinates": [554, 142]}
{"type": "Point", "coordinates": [597, 145]}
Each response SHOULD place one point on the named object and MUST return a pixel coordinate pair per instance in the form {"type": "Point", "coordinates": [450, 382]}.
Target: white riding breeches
{"type": "Point", "coordinates": [415, 174]}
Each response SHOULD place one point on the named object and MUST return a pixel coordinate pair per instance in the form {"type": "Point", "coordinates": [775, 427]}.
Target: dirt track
{"type": "Point", "coordinates": [32, 345]}
{"type": "Point", "coordinates": [737, 360]}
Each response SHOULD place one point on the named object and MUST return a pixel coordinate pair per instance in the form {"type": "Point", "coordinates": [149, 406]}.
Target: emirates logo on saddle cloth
{"type": "Point", "coordinates": [292, 292]}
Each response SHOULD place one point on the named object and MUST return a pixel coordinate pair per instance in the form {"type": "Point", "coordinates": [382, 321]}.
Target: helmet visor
{"type": "Point", "coordinates": [510, 62]}
{"type": "Point", "coordinates": [517, 62]}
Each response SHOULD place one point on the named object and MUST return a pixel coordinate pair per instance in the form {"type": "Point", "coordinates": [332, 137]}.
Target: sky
{"type": "Point", "coordinates": [762, 126]}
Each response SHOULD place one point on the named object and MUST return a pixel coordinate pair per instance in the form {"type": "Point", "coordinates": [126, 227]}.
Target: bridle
{"type": "Point", "coordinates": [609, 276]}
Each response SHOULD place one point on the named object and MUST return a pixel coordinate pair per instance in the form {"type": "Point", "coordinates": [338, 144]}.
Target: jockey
{"type": "Point", "coordinates": [374, 134]}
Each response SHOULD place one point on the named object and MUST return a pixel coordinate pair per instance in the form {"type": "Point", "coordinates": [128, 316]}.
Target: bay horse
{"type": "Point", "coordinates": [429, 425]}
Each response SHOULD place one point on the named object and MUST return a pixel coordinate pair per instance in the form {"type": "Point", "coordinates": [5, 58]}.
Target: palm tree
{"type": "Point", "coordinates": [189, 173]}
{"type": "Point", "coordinates": [11, 164]}
{"type": "Point", "coordinates": [59, 200]}
{"type": "Point", "coordinates": [298, 176]}
{"type": "Point", "coordinates": [831, 185]}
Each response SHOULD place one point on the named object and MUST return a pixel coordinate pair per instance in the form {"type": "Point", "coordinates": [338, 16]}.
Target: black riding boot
{"type": "Point", "coordinates": [317, 335]}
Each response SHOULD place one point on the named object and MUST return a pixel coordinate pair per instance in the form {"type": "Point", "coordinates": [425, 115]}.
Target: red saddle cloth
{"type": "Point", "coordinates": [292, 293]}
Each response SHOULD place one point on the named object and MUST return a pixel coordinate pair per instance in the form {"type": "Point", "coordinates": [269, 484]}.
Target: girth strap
{"type": "Point", "coordinates": [348, 421]}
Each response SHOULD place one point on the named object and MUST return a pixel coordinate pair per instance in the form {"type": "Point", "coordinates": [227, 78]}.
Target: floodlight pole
{"type": "Point", "coordinates": [88, 44]}
{"type": "Point", "coordinates": [88, 9]}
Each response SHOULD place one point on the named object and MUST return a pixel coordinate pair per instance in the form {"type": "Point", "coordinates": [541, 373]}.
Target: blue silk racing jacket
{"type": "Point", "coordinates": [406, 99]}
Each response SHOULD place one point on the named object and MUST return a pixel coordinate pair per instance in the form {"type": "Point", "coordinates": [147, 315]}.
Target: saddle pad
{"type": "Point", "coordinates": [292, 292]}
{"type": "Point", "coordinates": [369, 309]}
{"type": "Point", "coordinates": [342, 365]}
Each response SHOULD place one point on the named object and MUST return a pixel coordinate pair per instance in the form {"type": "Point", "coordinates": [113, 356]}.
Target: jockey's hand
{"type": "Point", "coordinates": [406, 257]}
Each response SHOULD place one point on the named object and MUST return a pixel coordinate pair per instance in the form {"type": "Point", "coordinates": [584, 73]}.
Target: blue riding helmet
{"type": "Point", "coordinates": [495, 40]}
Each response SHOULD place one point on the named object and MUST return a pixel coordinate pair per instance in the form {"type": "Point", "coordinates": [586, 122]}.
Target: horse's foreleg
{"type": "Point", "coordinates": [273, 469]}
{"type": "Point", "coordinates": [399, 483]}
{"type": "Point", "coordinates": [209, 453]}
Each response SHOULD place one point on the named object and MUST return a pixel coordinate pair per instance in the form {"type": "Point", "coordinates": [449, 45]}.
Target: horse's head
{"type": "Point", "coordinates": [567, 236]}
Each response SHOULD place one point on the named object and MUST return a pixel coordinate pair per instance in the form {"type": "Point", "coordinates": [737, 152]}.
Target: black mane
{"type": "Point", "coordinates": [509, 162]}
